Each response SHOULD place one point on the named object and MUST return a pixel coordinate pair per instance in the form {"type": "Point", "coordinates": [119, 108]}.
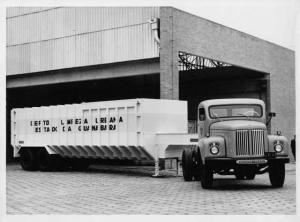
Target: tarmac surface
{"type": "Point", "coordinates": [132, 190]}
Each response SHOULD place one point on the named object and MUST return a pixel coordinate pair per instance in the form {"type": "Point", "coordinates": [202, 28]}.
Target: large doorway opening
{"type": "Point", "coordinates": [202, 78]}
{"type": "Point", "coordinates": [142, 86]}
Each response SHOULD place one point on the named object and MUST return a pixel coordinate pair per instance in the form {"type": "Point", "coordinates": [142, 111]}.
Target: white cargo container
{"type": "Point", "coordinates": [134, 129]}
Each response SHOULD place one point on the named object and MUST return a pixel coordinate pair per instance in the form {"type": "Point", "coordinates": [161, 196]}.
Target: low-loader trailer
{"type": "Point", "coordinates": [232, 137]}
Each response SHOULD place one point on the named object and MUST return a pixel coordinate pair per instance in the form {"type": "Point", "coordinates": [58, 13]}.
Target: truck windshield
{"type": "Point", "coordinates": [236, 110]}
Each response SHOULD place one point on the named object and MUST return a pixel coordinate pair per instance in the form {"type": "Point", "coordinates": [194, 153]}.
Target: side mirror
{"type": "Point", "coordinates": [201, 114]}
{"type": "Point", "coordinates": [201, 117]}
{"type": "Point", "coordinates": [272, 114]}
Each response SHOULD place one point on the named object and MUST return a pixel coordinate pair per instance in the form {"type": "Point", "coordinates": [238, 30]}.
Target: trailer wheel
{"type": "Point", "coordinates": [80, 164]}
{"type": "Point", "coordinates": [46, 161]}
{"type": "Point", "coordinates": [277, 174]}
{"type": "Point", "coordinates": [206, 176]}
{"type": "Point", "coordinates": [28, 159]}
{"type": "Point", "coordinates": [187, 164]}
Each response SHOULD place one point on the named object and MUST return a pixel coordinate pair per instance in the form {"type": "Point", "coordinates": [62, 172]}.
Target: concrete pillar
{"type": "Point", "coordinates": [169, 75]}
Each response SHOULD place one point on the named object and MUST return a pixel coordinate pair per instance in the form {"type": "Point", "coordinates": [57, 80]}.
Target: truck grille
{"type": "Point", "coordinates": [250, 142]}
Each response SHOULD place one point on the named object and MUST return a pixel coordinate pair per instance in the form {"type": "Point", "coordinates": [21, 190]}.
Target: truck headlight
{"type": "Point", "coordinates": [214, 148]}
{"type": "Point", "coordinates": [278, 147]}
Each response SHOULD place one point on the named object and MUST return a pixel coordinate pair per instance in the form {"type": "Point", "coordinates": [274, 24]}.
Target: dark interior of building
{"type": "Point", "coordinates": [203, 78]}
{"type": "Point", "coordinates": [143, 86]}
{"type": "Point", "coordinates": [220, 82]}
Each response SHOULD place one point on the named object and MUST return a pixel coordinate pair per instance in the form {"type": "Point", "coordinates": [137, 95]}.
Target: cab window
{"type": "Point", "coordinates": [235, 110]}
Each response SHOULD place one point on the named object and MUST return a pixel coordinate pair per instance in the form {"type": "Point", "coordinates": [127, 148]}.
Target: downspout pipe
{"type": "Point", "coordinates": [155, 29]}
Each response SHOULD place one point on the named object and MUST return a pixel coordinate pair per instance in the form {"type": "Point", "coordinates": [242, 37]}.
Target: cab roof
{"type": "Point", "coordinates": [210, 102]}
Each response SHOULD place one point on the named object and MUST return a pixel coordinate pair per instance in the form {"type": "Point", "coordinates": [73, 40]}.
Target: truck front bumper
{"type": "Point", "coordinates": [233, 162]}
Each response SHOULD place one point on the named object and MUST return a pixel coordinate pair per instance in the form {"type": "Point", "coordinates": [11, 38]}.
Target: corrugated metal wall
{"type": "Point", "coordinates": [40, 39]}
{"type": "Point", "coordinates": [17, 11]}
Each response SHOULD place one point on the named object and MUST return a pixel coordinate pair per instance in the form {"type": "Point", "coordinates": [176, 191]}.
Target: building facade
{"type": "Point", "coordinates": [62, 55]}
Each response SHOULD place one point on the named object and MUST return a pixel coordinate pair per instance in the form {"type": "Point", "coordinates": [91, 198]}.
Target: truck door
{"type": "Point", "coordinates": [201, 119]}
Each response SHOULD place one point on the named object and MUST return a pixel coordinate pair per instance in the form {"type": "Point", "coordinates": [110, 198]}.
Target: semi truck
{"type": "Point", "coordinates": [233, 140]}
{"type": "Point", "coordinates": [232, 137]}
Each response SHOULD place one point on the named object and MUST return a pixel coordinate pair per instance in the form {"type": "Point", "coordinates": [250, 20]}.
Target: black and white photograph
{"type": "Point", "coordinates": [153, 108]}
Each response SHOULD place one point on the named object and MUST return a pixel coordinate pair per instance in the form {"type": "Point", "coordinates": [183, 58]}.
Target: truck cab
{"type": "Point", "coordinates": [233, 140]}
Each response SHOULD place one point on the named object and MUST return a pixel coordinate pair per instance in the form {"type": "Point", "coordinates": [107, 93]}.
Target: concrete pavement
{"type": "Point", "coordinates": [132, 190]}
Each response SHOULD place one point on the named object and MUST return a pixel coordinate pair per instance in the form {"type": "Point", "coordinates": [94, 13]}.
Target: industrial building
{"type": "Point", "coordinates": [61, 55]}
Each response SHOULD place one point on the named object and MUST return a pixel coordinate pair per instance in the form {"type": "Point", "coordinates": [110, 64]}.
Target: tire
{"type": "Point", "coordinates": [46, 162]}
{"type": "Point", "coordinates": [187, 164]}
{"type": "Point", "coordinates": [59, 163]}
{"type": "Point", "coordinates": [80, 164]}
{"type": "Point", "coordinates": [196, 167]}
{"type": "Point", "coordinates": [206, 177]}
{"type": "Point", "coordinates": [28, 159]}
{"type": "Point", "coordinates": [277, 174]}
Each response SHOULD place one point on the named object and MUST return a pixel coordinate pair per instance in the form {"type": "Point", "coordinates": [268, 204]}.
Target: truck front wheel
{"type": "Point", "coordinates": [277, 174]}
{"type": "Point", "coordinates": [28, 159]}
{"type": "Point", "coordinates": [206, 176]}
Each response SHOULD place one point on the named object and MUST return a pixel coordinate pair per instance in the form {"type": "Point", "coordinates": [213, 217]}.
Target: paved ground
{"type": "Point", "coordinates": [128, 190]}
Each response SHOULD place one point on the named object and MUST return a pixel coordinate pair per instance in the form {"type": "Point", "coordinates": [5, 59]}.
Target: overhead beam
{"type": "Point", "coordinates": [132, 68]}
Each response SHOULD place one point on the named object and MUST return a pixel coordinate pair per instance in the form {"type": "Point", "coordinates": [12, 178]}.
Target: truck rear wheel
{"type": "Point", "coordinates": [277, 174]}
{"type": "Point", "coordinates": [187, 164]}
{"type": "Point", "coordinates": [28, 159]}
{"type": "Point", "coordinates": [196, 167]}
{"type": "Point", "coordinates": [206, 177]}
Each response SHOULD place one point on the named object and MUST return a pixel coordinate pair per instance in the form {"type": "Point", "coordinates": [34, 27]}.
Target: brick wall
{"type": "Point", "coordinates": [181, 31]}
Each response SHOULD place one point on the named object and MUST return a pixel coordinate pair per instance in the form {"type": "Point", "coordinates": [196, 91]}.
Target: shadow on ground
{"type": "Point", "coordinates": [233, 184]}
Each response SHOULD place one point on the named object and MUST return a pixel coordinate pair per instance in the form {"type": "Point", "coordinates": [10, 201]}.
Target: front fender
{"type": "Point", "coordinates": [283, 140]}
{"type": "Point", "coordinates": [204, 146]}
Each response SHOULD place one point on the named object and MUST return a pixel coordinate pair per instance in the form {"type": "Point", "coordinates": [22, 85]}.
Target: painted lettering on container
{"type": "Point", "coordinates": [96, 124]}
